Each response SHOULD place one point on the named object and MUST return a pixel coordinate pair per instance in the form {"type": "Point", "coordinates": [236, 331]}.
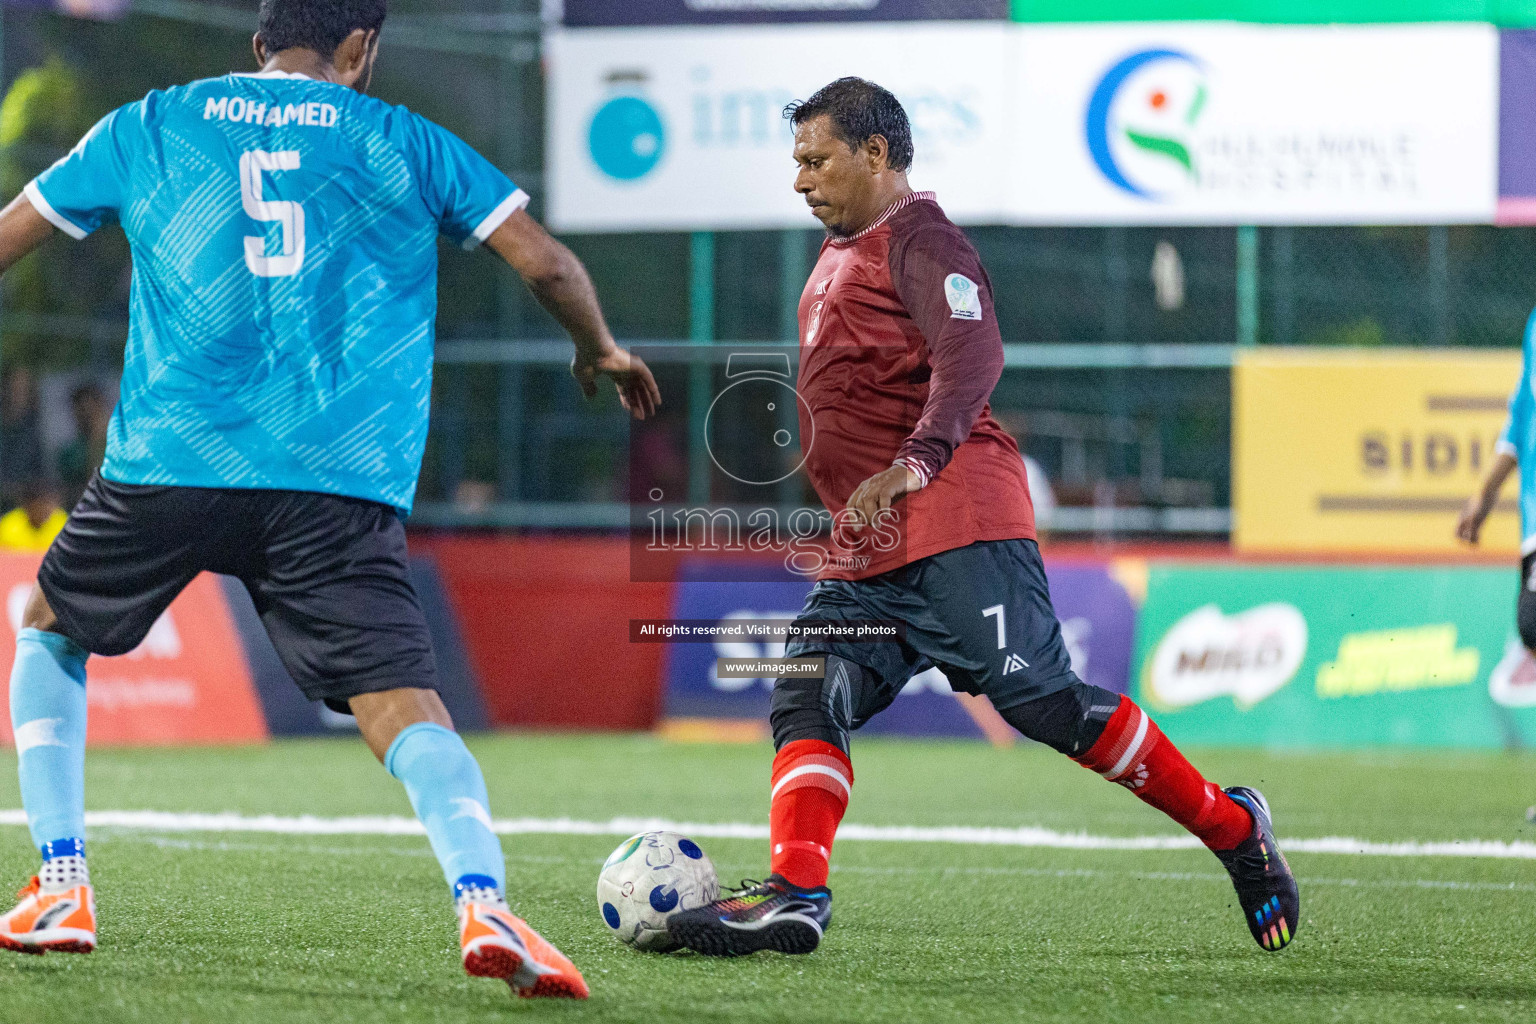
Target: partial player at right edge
{"type": "Point", "coordinates": [1516, 448]}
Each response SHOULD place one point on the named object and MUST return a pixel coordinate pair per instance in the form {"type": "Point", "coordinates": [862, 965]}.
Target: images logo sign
{"type": "Point", "coordinates": [1141, 119]}
{"type": "Point", "coordinates": [627, 138]}
{"type": "Point", "coordinates": [1208, 654]}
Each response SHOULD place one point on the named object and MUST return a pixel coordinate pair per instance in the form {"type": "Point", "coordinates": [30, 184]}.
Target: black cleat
{"type": "Point", "coordinates": [1266, 888]}
{"type": "Point", "coordinates": [761, 915]}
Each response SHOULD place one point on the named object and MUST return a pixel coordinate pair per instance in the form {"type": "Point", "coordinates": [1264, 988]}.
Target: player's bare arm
{"type": "Point", "coordinates": [22, 229]}
{"type": "Point", "coordinates": [561, 284]}
{"type": "Point", "coordinates": [1469, 526]}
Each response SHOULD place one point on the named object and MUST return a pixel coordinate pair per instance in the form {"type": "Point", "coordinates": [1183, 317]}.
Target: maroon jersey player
{"type": "Point", "coordinates": [900, 351]}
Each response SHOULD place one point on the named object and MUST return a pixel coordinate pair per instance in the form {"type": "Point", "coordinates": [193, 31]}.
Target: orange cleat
{"type": "Point", "coordinates": [56, 922]}
{"type": "Point", "coordinates": [498, 944]}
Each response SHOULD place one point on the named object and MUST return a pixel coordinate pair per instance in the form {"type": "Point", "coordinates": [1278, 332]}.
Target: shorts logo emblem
{"type": "Point", "coordinates": [1013, 663]}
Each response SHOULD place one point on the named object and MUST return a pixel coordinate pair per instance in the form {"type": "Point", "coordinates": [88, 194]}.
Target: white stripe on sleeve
{"type": "Point", "coordinates": [52, 216]}
{"type": "Point", "coordinates": [497, 217]}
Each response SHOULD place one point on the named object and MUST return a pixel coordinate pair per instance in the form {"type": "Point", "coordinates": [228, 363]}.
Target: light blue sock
{"type": "Point", "coordinates": [48, 717]}
{"type": "Point", "coordinates": [448, 794]}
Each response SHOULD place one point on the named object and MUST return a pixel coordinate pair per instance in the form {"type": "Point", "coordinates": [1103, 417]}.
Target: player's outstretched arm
{"type": "Point", "coordinates": [1470, 525]}
{"type": "Point", "coordinates": [560, 283]}
{"type": "Point", "coordinates": [22, 229]}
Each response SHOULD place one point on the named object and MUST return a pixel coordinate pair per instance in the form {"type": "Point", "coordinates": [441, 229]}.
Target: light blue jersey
{"type": "Point", "coordinates": [1519, 438]}
{"type": "Point", "coordinates": [284, 238]}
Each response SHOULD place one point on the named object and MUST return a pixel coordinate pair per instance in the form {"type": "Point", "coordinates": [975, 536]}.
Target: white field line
{"type": "Point", "coordinates": [948, 871]}
{"type": "Point", "coordinates": [309, 825]}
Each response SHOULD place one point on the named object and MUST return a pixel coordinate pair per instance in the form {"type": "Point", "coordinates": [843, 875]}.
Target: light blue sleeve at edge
{"type": "Point", "coordinates": [1520, 402]}
{"type": "Point", "coordinates": [87, 187]}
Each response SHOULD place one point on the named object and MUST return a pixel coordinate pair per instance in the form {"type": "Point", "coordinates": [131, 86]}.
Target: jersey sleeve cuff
{"type": "Point", "coordinates": [917, 467]}
{"type": "Point", "coordinates": [1503, 447]}
{"type": "Point", "coordinates": [43, 206]}
{"type": "Point", "coordinates": [497, 217]}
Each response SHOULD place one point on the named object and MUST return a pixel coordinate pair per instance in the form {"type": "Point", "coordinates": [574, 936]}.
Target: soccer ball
{"type": "Point", "coordinates": [649, 878]}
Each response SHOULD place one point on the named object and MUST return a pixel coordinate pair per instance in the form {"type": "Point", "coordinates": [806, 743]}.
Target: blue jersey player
{"type": "Point", "coordinates": [1516, 448]}
{"type": "Point", "coordinates": [283, 227]}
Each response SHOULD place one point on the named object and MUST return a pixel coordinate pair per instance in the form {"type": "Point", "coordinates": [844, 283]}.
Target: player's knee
{"type": "Point", "coordinates": [37, 614]}
{"type": "Point", "coordinates": [1526, 619]}
{"type": "Point", "coordinates": [816, 709]}
{"type": "Point", "coordinates": [1071, 720]}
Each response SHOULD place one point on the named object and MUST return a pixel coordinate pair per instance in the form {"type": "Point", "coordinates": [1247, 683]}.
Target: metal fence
{"type": "Point", "coordinates": [1119, 339]}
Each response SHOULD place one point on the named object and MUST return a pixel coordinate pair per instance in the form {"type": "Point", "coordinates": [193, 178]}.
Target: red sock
{"type": "Point", "coordinates": [1134, 752]}
{"type": "Point", "coordinates": [811, 784]}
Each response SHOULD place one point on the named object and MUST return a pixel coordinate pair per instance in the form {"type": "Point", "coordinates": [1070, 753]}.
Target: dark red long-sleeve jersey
{"type": "Point", "coordinates": [899, 352]}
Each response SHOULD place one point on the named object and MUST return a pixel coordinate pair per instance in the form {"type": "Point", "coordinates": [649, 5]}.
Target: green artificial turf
{"type": "Point", "coordinates": [233, 928]}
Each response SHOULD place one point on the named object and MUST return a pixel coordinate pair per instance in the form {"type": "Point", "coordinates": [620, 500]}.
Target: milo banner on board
{"type": "Point", "coordinates": [1335, 657]}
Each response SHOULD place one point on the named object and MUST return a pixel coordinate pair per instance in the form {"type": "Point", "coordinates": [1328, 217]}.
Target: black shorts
{"type": "Point", "coordinates": [981, 613]}
{"type": "Point", "coordinates": [1525, 608]}
{"type": "Point", "coordinates": [328, 575]}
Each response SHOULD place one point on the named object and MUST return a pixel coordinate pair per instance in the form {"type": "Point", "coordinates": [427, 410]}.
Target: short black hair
{"type": "Point", "coordinates": [860, 110]}
{"type": "Point", "coordinates": [319, 25]}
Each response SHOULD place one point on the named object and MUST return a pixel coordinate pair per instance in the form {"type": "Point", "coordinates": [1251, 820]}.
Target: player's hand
{"type": "Point", "coordinates": [631, 378]}
{"type": "Point", "coordinates": [878, 492]}
{"type": "Point", "coordinates": [1473, 515]}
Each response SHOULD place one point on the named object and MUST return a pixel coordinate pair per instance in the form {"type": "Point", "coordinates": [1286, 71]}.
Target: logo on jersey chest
{"type": "Point", "coordinates": [813, 322]}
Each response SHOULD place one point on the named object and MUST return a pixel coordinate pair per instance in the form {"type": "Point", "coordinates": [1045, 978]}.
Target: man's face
{"type": "Point", "coordinates": [836, 180]}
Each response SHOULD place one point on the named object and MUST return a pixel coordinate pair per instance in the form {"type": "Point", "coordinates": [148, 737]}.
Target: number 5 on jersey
{"type": "Point", "coordinates": [285, 212]}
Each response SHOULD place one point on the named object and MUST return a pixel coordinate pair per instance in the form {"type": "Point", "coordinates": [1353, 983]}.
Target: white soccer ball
{"type": "Point", "coordinates": [650, 877]}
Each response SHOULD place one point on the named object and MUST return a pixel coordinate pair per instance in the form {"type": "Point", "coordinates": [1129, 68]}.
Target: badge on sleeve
{"type": "Point", "coordinates": [964, 298]}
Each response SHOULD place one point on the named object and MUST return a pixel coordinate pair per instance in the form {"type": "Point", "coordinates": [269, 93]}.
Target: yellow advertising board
{"type": "Point", "coordinates": [1367, 450]}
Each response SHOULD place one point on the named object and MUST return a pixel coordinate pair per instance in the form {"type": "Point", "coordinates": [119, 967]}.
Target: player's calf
{"type": "Point", "coordinates": [1111, 735]}
{"type": "Point", "coordinates": [447, 790]}
{"type": "Point", "coordinates": [809, 789]}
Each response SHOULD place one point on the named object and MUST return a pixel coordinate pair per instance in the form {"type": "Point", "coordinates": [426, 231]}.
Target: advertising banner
{"type": "Point", "coordinates": [544, 626]}
{"type": "Point", "coordinates": [1097, 618]}
{"type": "Point", "coordinates": [1156, 123]}
{"type": "Point", "coordinates": [1335, 657]}
{"type": "Point", "coordinates": [1255, 124]}
{"type": "Point", "coordinates": [1517, 127]}
{"type": "Point", "coordinates": [743, 12]}
{"type": "Point", "coordinates": [186, 683]}
{"type": "Point", "coordinates": [1366, 450]}
{"type": "Point", "coordinates": [668, 129]}
{"type": "Point", "coordinates": [1280, 12]}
